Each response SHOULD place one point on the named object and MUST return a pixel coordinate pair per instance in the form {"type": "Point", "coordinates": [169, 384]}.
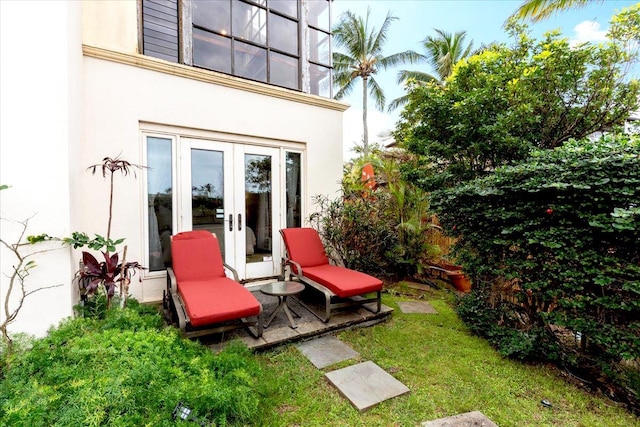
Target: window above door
{"type": "Point", "coordinates": [285, 43]}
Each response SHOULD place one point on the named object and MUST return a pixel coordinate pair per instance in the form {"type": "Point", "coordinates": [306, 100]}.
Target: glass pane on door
{"type": "Point", "coordinates": [207, 192]}
{"type": "Point", "coordinates": [258, 207]}
{"type": "Point", "coordinates": [293, 190]}
{"type": "Point", "coordinates": [160, 199]}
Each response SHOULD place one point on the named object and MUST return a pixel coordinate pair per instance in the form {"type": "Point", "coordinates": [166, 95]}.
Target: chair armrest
{"type": "Point", "coordinates": [298, 268]}
{"type": "Point", "coordinates": [232, 270]}
{"type": "Point", "coordinates": [171, 281]}
{"type": "Point", "coordinates": [176, 300]}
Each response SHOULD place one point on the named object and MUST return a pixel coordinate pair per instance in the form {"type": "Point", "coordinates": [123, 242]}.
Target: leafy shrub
{"type": "Point", "coordinates": [554, 244]}
{"type": "Point", "coordinates": [355, 233]}
{"type": "Point", "coordinates": [500, 103]}
{"type": "Point", "coordinates": [384, 230]}
{"type": "Point", "coordinates": [123, 371]}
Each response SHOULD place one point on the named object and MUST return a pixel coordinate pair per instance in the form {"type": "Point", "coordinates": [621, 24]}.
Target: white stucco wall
{"type": "Point", "coordinates": [61, 111]}
{"type": "Point", "coordinates": [40, 128]}
{"type": "Point", "coordinates": [112, 24]}
{"type": "Point", "coordinates": [119, 97]}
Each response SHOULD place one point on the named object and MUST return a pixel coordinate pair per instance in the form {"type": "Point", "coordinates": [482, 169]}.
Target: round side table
{"type": "Point", "coordinates": [282, 290]}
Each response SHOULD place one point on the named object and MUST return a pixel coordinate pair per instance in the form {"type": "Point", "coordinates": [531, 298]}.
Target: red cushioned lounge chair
{"type": "Point", "coordinates": [202, 299]}
{"type": "Point", "coordinates": [340, 286]}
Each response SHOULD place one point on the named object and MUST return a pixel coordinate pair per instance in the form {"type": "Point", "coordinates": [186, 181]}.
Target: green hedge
{"type": "Point", "coordinates": [124, 371]}
{"type": "Point", "coordinates": [553, 248]}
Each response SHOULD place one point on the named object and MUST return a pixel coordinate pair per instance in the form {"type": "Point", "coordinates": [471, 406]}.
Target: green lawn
{"type": "Point", "coordinates": [448, 371]}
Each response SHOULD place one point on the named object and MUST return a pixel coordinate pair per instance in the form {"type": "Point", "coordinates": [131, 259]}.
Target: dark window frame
{"type": "Point", "coordinates": [319, 64]}
{"type": "Point", "coordinates": [267, 48]}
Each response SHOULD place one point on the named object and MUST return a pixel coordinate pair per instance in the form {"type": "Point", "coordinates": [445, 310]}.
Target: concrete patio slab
{"type": "Point", "coordinates": [469, 419]}
{"type": "Point", "coordinates": [416, 307]}
{"type": "Point", "coordinates": [309, 326]}
{"type": "Point", "coordinates": [326, 351]}
{"type": "Point", "coordinates": [366, 384]}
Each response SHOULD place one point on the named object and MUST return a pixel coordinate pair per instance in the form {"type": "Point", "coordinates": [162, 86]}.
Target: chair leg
{"type": "Point", "coordinates": [257, 333]}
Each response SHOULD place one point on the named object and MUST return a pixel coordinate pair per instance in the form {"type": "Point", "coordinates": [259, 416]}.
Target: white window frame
{"type": "Point", "coordinates": [175, 134]}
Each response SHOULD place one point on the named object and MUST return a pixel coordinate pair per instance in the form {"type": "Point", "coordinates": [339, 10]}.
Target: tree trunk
{"type": "Point", "coordinates": [365, 132]}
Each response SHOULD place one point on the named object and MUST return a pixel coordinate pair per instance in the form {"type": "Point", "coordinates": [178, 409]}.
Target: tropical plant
{"type": "Point", "coordinates": [538, 10]}
{"type": "Point", "coordinates": [500, 104]}
{"type": "Point", "coordinates": [384, 228]}
{"type": "Point", "coordinates": [110, 273]}
{"type": "Point", "coordinates": [362, 58]}
{"type": "Point", "coordinates": [443, 51]}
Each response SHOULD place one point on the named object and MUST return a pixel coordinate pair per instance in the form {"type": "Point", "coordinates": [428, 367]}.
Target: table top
{"type": "Point", "coordinates": [282, 288]}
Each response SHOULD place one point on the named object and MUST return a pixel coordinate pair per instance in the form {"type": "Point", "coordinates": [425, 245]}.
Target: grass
{"type": "Point", "coordinates": [448, 371]}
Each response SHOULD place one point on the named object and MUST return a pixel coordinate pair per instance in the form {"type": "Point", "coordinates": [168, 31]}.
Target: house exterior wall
{"type": "Point", "coordinates": [40, 133]}
{"type": "Point", "coordinates": [122, 100]}
{"type": "Point", "coordinates": [111, 24]}
{"type": "Point", "coordinates": [89, 94]}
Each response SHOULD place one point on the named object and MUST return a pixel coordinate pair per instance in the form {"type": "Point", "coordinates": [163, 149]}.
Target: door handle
{"type": "Point", "coordinates": [230, 222]}
{"type": "Point", "coordinates": [239, 222]}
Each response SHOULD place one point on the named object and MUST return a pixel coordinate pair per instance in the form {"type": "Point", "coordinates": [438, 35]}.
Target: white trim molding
{"type": "Point", "coordinates": [159, 65]}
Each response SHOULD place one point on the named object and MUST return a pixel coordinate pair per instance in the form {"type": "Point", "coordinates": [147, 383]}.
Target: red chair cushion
{"type": "Point", "coordinates": [304, 246]}
{"type": "Point", "coordinates": [343, 281]}
{"type": "Point", "coordinates": [195, 255]}
{"type": "Point", "coordinates": [217, 300]}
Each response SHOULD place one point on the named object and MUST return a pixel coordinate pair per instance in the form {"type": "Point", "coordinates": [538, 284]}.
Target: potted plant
{"type": "Point", "coordinates": [454, 275]}
{"type": "Point", "coordinates": [459, 280]}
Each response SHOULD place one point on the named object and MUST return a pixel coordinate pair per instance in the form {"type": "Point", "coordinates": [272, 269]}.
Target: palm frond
{"type": "Point", "coordinates": [399, 58]}
{"type": "Point", "coordinates": [538, 10]}
{"type": "Point", "coordinates": [398, 102]}
{"type": "Point", "coordinates": [378, 40]}
{"type": "Point", "coordinates": [376, 93]}
{"type": "Point", "coordinates": [420, 76]}
{"type": "Point", "coordinates": [345, 88]}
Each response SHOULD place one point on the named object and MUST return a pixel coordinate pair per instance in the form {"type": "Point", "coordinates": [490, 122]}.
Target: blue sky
{"type": "Point", "coordinates": [483, 21]}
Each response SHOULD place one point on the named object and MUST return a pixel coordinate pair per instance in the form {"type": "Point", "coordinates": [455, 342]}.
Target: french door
{"type": "Point", "coordinates": [233, 190]}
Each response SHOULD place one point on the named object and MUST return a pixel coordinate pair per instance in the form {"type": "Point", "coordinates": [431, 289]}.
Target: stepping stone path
{"type": "Point", "coordinates": [326, 351]}
{"type": "Point", "coordinates": [470, 419]}
{"type": "Point", "coordinates": [416, 307]}
{"type": "Point", "coordinates": [365, 384]}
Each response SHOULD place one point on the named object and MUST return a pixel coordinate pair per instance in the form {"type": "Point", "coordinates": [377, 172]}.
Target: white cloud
{"type": "Point", "coordinates": [588, 31]}
{"type": "Point", "coordinates": [352, 128]}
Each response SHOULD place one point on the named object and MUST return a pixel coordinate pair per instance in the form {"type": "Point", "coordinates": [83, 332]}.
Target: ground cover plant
{"type": "Point", "coordinates": [125, 370]}
{"type": "Point", "coordinates": [448, 370]}
{"type": "Point", "coordinates": [553, 248]}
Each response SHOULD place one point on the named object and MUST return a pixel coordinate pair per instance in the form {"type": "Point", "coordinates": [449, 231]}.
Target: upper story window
{"type": "Point", "coordinates": [282, 42]}
{"type": "Point", "coordinates": [319, 22]}
{"type": "Point", "coordinates": [257, 40]}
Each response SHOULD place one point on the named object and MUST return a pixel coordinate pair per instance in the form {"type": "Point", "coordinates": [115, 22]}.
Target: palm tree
{"type": "Point", "coordinates": [538, 10]}
{"type": "Point", "coordinates": [362, 59]}
{"type": "Point", "coordinates": [442, 52]}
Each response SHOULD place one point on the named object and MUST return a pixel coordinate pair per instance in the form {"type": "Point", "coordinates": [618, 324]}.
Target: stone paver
{"type": "Point", "coordinates": [416, 307]}
{"type": "Point", "coordinates": [469, 419]}
{"type": "Point", "coordinates": [326, 351]}
{"type": "Point", "coordinates": [366, 384]}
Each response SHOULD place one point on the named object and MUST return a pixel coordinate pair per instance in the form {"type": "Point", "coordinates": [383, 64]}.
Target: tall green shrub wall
{"type": "Point", "coordinates": [553, 248]}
